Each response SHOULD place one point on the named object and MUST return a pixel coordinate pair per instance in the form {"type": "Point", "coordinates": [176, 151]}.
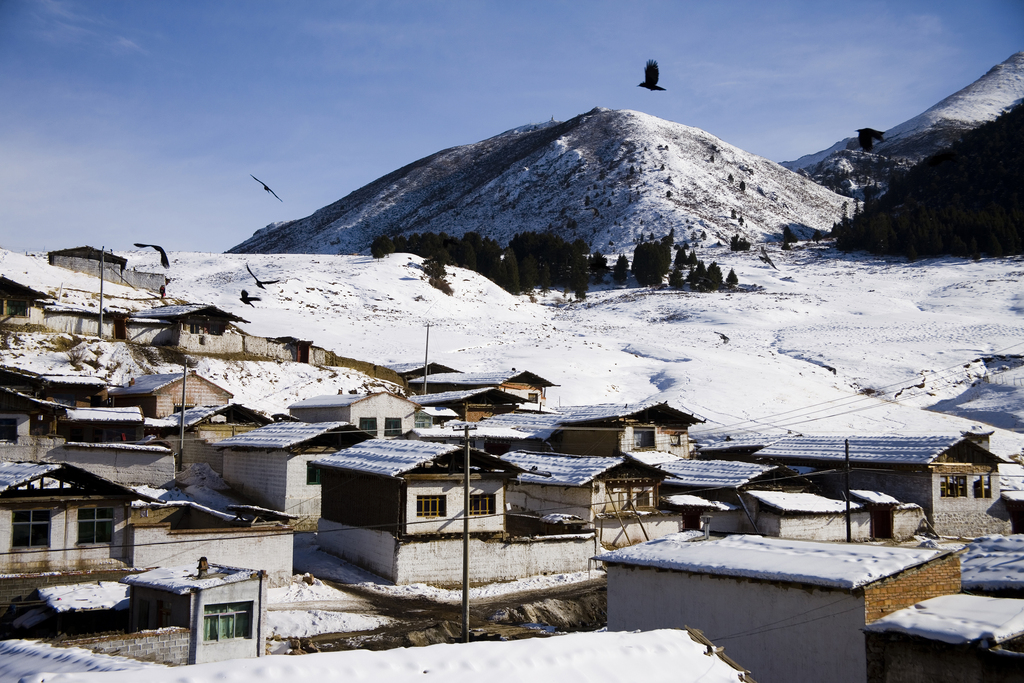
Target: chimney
{"type": "Point", "coordinates": [204, 568]}
{"type": "Point", "coordinates": [131, 382]}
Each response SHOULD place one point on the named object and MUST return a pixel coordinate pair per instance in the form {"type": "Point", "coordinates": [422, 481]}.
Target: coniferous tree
{"type": "Point", "coordinates": [382, 246]}
{"type": "Point", "coordinates": [621, 271]}
{"type": "Point", "coordinates": [731, 278]}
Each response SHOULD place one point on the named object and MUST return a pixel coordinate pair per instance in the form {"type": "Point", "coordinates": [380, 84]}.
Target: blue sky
{"type": "Point", "coordinates": [141, 121]}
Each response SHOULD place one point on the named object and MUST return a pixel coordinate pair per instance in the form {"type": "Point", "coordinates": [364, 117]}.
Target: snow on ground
{"type": "Point", "coordinates": [314, 622]}
{"type": "Point", "coordinates": [30, 661]}
{"type": "Point", "coordinates": [830, 343]}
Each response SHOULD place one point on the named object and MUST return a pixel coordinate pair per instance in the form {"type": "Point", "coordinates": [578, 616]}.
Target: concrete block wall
{"type": "Point", "coordinates": [912, 586]}
{"type": "Point", "coordinates": [164, 646]}
{"type": "Point", "coordinates": [455, 503]}
{"type": "Point", "coordinates": [63, 553]}
{"type": "Point", "coordinates": [124, 466]}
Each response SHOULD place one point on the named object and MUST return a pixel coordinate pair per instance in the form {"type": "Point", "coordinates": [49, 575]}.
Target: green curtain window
{"type": "Point", "coordinates": [368, 424]}
{"type": "Point", "coordinates": [226, 621]}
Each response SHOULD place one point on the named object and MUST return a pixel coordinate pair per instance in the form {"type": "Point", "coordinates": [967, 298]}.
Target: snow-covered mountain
{"type": "Point", "coordinates": [847, 168]}
{"type": "Point", "coordinates": [604, 176]}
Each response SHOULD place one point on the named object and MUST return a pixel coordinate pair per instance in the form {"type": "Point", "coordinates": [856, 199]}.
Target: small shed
{"type": "Point", "coordinates": [160, 395]}
{"type": "Point", "coordinates": [19, 305]}
{"type": "Point", "coordinates": [472, 405]}
{"type": "Point", "coordinates": [380, 414]}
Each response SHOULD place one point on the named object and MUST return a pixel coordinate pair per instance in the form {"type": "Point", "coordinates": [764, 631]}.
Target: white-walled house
{"type": "Point", "coordinates": [271, 465]}
{"type": "Point", "coordinates": [791, 611]}
{"type": "Point", "coordinates": [397, 509]}
{"type": "Point", "coordinates": [381, 414]}
{"type": "Point", "coordinates": [616, 496]}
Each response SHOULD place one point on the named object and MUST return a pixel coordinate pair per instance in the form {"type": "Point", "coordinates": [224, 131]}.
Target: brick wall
{"type": "Point", "coordinates": [941, 577]}
{"type": "Point", "coordinates": [21, 585]}
{"type": "Point", "coordinates": [165, 645]}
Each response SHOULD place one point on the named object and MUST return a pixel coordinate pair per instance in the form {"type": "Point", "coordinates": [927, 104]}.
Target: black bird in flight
{"type": "Point", "coordinates": [246, 299]}
{"type": "Point", "coordinates": [163, 254]}
{"type": "Point", "coordinates": [867, 136]}
{"type": "Point", "coordinates": [651, 76]}
{"type": "Point", "coordinates": [941, 158]}
{"type": "Point", "coordinates": [767, 259]}
{"type": "Point", "coordinates": [265, 187]}
{"type": "Point", "coordinates": [260, 283]}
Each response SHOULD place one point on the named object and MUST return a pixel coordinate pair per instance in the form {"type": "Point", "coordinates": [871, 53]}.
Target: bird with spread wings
{"type": "Point", "coordinates": [260, 283]}
{"type": "Point", "coordinates": [265, 187]}
{"type": "Point", "coordinates": [163, 254]}
{"type": "Point", "coordinates": [651, 76]}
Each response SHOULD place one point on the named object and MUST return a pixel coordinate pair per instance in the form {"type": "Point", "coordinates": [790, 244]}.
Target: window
{"type": "Point", "coordinates": [177, 407]}
{"type": "Point", "coordinates": [624, 496]}
{"type": "Point", "coordinates": [533, 397]}
{"type": "Point", "coordinates": [312, 474]}
{"type": "Point", "coordinates": [392, 426]}
{"type": "Point", "coordinates": [676, 439]}
{"type": "Point", "coordinates": [423, 420]}
{"type": "Point", "coordinates": [983, 487]}
{"type": "Point", "coordinates": [226, 621]}
{"type": "Point", "coordinates": [953, 486]}
{"type": "Point", "coordinates": [17, 308]}
{"type": "Point", "coordinates": [431, 506]}
{"type": "Point", "coordinates": [481, 504]}
{"type": "Point", "coordinates": [9, 429]}
{"type": "Point", "coordinates": [368, 424]}
{"type": "Point", "coordinates": [643, 438]}
{"type": "Point", "coordinates": [31, 529]}
{"type": "Point", "coordinates": [95, 525]}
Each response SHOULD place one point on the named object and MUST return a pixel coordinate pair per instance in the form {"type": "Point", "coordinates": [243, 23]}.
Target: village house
{"type": "Point", "coordinates": [98, 425]}
{"type": "Point", "coordinates": [791, 611]}
{"type": "Point", "coordinates": [20, 305]}
{"type": "Point", "coordinates": [949, 638]}
{"type": "Point", "coordinates": [414, 371]}
{"type": "Point", "coordinates": [953, 479]}
{"type": "Point", "coordinates": [471, 405]}
{"type": "Point", "coordinates": [615, 496]}
{"type": "Point", "coordinates": [28, 426]}
{"type": "Point", "coordinates": [204, 427]}
{"type": "Point", "coordinates": [75, 391]}
{"type": "Point", "coordinates": [272, 466]}
{"type": "Point", "coordinates": [526, 385]}
{"type": "Point", "coordinates": [88, 259]}
{"type": "Point", "coordinates": [493, 439]}
{"type": "Point", "coordinates": [380, 414]}
{"type": "Point", "coordinates": [219, 611]}
{"type": "Point", "coordinates": [994, 566]}
{"type": "Point", "coordinates": [605, 429]}
{"type": "Point", "coordinates": [397, 509]}
{"type": "Point", "coordinates": [160, 395]}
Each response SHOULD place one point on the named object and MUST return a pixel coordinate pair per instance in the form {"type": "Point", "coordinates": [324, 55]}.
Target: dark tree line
{"type": "Point", "coordinates": [964, 202]}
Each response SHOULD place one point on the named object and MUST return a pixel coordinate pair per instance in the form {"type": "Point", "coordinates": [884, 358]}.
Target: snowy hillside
{"type": "Point", "coordinates": [915, 139]}
{"type": "Point", "coordinates": [827, 344]}
{"type": "Point", "coordinates": [604, 177]}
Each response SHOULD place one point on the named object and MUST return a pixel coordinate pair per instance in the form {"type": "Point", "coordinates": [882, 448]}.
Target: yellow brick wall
{"type": "Point", "coordinates": [937, 578]}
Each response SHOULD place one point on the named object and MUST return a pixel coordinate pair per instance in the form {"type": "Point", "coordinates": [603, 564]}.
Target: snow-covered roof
{"type": "Point", "coordinates": [337, 400]}
{"type": "Point", "coordinates": [1011, 477]}
{"type": "Point", "coordinates": [171, 312]}
{"type": "Point", "coordinates": [565, 470]}
{"type": "Point", "coordinates": [23, 660]}
{"type": "Point", "coordinates": [710, 444]}
{"type": "Point", "coordinates": [480, 430]}
{"type": "Point", "coordinates": [280, 435]}
{"type": "Point", "coordinates": [543, 425]}
{"type": "Point", "coordinates": [572, 658]}
{"type": "Point", "coordinates": [1015, 496]}
{"type": "Point", "coordinates": [181, 580]}
{"type": "Point", "coordinates": [116, 446]}
{"type": "Point", "coordinates": [192, 417]}
{"type": "Point", "coordinates": [465, 395]}
{"type": "Point", "coordinates": [130, 414]}
{"type": "Point", "coordinates": [86, 596]}
{"type": "Point", "coordinates": [874, 497]}
{"type": "Point", "coordinates": [486, 378]}
{"type": "Point", "coordinates": [84, 380]}
{"type": "Point", "coordinates": [386, 457]}
{"type": "Point", "coordinates": [906, 450]}
{"type": "Point", "coordinates": [840, 565]}
{"type": "Point", "coordinates": [653, 458]}
{"type": "Point", "coordinates": [146, 384]}
{"type": "Point", "coordinates": [712, 473]}
{"type": "Point", "coordinates": [957, 619]}
{"type": "Point", "coordinates": [687, 500]}
{"type": "Point", "coordinates": [17, 473]}
{"type": "Point", "coordinates": [993, 563]}
{"type": "Point", "coordinates": [809, 503]}
{"type": "Point", "coordinates": [433, 411]}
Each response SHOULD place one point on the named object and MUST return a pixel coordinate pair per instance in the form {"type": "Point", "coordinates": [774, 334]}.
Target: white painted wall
{"type": "Point", "coordinates": [124, 466]}
{"type": "Point", "coordinates": [63, 552]}
{"type": "Point", "coordinates": [782, 633]}
{"type": "Point", "coordinates": [452, 490]}
{"type": "Point", "coordinates": [378, 406]}
{"type": "Point", "coordinates": [373, 550]}
{"type": "Point", "coordinates": [629, 529]}
{"type": "Point", "coordinates": [542, 499]}
{"type": "Point", "coordinates": [275, 479]}
{"type": "Point", "coordinates": [269, 550]}
{"type": "Point", "coordinates": [254, 590]}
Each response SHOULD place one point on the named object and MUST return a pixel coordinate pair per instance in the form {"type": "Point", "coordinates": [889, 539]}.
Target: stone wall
{"type": "Point", "coordinates": [931, 580]}
{"type": "Point", "coordinates": [165, 646]}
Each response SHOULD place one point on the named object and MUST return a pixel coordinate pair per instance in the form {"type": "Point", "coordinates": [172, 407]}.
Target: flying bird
{"type": "Point", "coordinates": [246, 299]}
{"type": "Point", "coordinates": [163, 254]}
{"type": "Point", "coordinates": [651, 76]}
{"type": "Point", "coordinates": [867, 136]}
{"type": "Point", "coordinates": [767, 259]}
{"type": "Point", "coordinates": [941, 158]}
{"type": "Point", "coordinates": [265, 187]}
{"type": "Point", "coordinates": [260, 283]}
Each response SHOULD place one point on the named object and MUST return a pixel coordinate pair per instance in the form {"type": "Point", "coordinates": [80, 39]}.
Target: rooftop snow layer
{"type": "Point", "coordinates": [280, 435]}
{"type": "Point", "coordinates": [16, 473]}
{"type": "Point", "coordinates": [181, 580]}
{"type": "Point", "coordinates": [840, 565]}
{"type": "Point", "coordinates": [993, 563]}
{"type": "Point", "coordinates": [192, 416]}
{"type": "Point", "coordinates": [712, 473]}
{"type": "Point", "coordinates": [686, 500]}
{"type": "Point", "coordinates": [131, 414]}
{"type": "Point", "coordinates": [146, 384]}
{"type": "Point", "coordinates": [386, 457]}
{"type": "Point", "coordinates": [86, 596]}
{"type": "Point", "coordinates": [802, 502]}
{"type": "Point", "coordinates": [875, 497]}
{"type": "Point", "coordinates": [479, 430]}
{"type": "Point", "coordinates": [74, 379]}
{"type": "Point", "coordinates": [329, 401]}
{"type": "Point", "coordinates": [565, 470]}
{"type": "Point", "coordinates": [907, 450]}
{"type": "Point", "coordinates": [571, 658]}
{"type": "Point", "coordinates": [957, 619]}
{"type": "Point", "coordinates": [24, 660]}
{"type": "Point", "coordinates": [453, 396]}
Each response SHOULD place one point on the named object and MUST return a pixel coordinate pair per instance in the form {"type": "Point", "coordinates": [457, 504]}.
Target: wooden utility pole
{"type": "Point", "coordinates": [181, 416]}
{"type": "Point", "coordinates": [103, 251]}
{"type": "Point", "coordinates": [465, 537]}
{"type": "Point", "coordinates": [426, 356]}
{"type": "Point", "coordinates": [849, 529]}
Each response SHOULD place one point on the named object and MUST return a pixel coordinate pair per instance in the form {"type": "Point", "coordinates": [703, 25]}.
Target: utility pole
{"type": "Point", "coordinates": [181, 416]}
{"type": "Point", "coordinates": [103, 251]}
{"type": "Point", "coordinates": [849, 530]}
{"type": "Point", "coordinates": [465, 535]}
{"type": "Point", "coordinates": [426, 355]}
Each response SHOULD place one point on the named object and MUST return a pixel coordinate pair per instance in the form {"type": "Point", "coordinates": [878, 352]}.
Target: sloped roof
{"type": "Point", "coordinates": [18, 289]}
{"type": "Point", "coordinates": [565, 470]}
{"type": "Point", "coordinates": [79, 597]}
{"type": "Point", "coordinates": [187, 310]}
{"type": "Point", "coordinates": [874, 497]}
{"type": "Point", "coordinates": [993, 563]}
{"type": "Point", "coordinates": [807, 503]}
{"type": "Point", "coordinates": [194, 416]}
{"type": "Point", "coordinates": [488, 378]}
{"type": "Point", "coordinates": [84, 380]}
{"type": "Point", "coordinates": [395, 457]}
{"type": "Point", "coordinates": [340, 400]}
{"type": "Point", "coordinates": [543, 425]}
{"type": "Point", "coordinates": [129, 414]}
{"type": "Point", "coordinates": [14, 474]}
{"type": "Point", "coordinates": [181, 580]}
{"type": "Point", "coordinates": [415, 370]}
{"type": "Point", "coordinates": [957, 619]}
{"type": "Point", "coordinates": [711, 444]}
{"type": "Point", "coordinates": [904, 450]}
{"type": "Point", "coordinates": [713, 473]}
{"type": "Point", "coordinates": [17, 473]}
{"type": "Point", "coordinates": [686, 500]}
{"type": "Point", "coordinates": [147, 384]}
{"type": "Point", "coordinates": [11, 399]}
{"type": "Point", "coordinates": [489, 393]}
{"type": "Point", "coordinates": [281, 435]}
{"type": "Point", "coordinates": [839, 565]}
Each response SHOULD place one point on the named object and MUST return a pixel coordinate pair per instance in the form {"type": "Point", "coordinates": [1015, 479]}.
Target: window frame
{"type": "Point", "coordinates": [364, 425]}
{"type": "Point", "coordinates": [395, 428]}
{"type": "Point", "coordinates": [482, 504]}
{"type": "Point", "coordinates": [953, 486]}
{"type": "Point", "coordinates": [32, 524]}
{"type": "Point", "coordinates": [9, 430]}
{"type": "Point", "coordinates": [640, 435]}
{"type": "Point", "coordinates": [433, 506]}
{"type": "Point", "coordinates": [227, 613]}
{"type": "Point", "coordinates": [21, 308]}
{"type": "Point", "coordinates": [313, 474]}
{"type": "Point", "coordinates": [422, 420]}
{"type": "Point", "coordinates": [983, 486]}
{"type": "Point", "coordinates": [94, 523]}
